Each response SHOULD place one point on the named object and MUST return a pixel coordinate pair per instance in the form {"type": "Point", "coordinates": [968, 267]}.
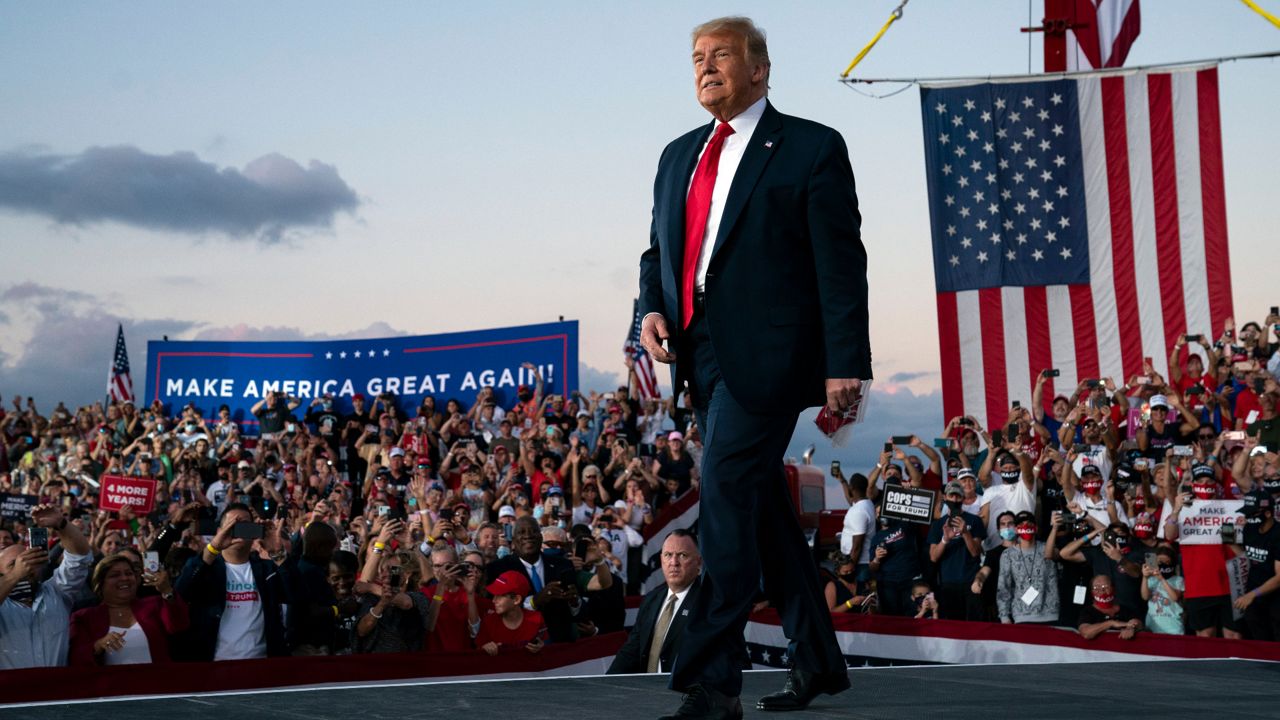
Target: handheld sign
{"type": "Point", "coordinates": [118, 492]}
{"type": "Point", "coordinates": [907, 503]}
{"type": "Point", "coordinates": [17, 507]}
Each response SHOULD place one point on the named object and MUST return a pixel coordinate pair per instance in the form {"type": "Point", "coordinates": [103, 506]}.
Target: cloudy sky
{"type": "Point", "coordinates": [291, 170]}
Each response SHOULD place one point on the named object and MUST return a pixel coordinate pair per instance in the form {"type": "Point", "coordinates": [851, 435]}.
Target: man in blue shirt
{"type": "Point", "coordinates": [35, 616]}
{"type": "Point", "coordinates": [955, 544]}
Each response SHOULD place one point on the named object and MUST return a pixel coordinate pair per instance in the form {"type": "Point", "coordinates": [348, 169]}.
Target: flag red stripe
{"type": "Point", "coordinates": [1213, 200]}
{"type": "Point", "coordinates": [1125, 36]}
{"type": "Point", "coordinates": [1082, 318]}
{"type": "Point", "coordinates": [994, 372]}
{"type": "Point", "coordinates": [1164, 178]}
{"type": "Point", "coordinates": [1117, 144]}
{"type": "Point", "coordinates": [949, 357]}
{"type": "Point", "coordinates": [1039, 349]}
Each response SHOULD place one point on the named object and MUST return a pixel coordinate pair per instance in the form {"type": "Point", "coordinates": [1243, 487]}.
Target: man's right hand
{"type": "Point", "coordinates": [653, 333]}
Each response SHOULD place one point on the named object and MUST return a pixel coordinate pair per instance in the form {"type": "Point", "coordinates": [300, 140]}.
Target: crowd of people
{"type": "Point", "coordinates": [1069, 513]}
{"type": "Point", "coordinates": [474, 527]}
{"type": "Point", "coordinates": [463, 527]}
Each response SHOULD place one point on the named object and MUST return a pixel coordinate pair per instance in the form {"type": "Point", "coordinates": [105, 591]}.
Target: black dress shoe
{"type": "Point", "coordinates": [703, 703]}
{"type": "Point", "coordinates": [801, 688]}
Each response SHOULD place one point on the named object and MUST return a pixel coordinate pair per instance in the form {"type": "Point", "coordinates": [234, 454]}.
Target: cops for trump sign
{"type": "Point", "coordinates": [239, 374]}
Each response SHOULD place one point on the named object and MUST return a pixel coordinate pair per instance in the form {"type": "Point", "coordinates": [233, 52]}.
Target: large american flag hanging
{"type": "Point", "coordinates": [119, 382]}
{"type": "Point", "coordinates": [646, 376]}
{"type": "Point", "coordinates": [1077, 224]}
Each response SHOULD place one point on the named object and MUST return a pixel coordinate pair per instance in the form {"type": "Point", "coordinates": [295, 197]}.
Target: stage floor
{"type": "Point", "coordinates": [1172, 689]}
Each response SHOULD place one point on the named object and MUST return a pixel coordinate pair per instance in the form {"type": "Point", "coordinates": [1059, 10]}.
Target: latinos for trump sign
{"type": "Point", "coordinates": [118, 492]}
{"type": "Point", "coordinates": [239, 374]}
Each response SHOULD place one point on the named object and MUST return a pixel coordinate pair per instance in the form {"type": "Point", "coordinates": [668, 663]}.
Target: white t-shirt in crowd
{"type": "Point", "coordinates": [1015, 498]}
{"type": "Point", "coordinates": [859, 520]}
{"type": "Point", "coordinates": [217, 494]}
{"type": "Point", "coordinates": [136, 651]}
{"type": "Point", "coordinates": [242, 632]}
{"type": "Point", "coordinates": [583, 515]}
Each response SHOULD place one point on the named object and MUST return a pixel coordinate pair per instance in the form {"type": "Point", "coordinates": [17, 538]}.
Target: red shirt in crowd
{"type": "Point", "coordinates": [493, 629]}
{"type": "Point", "coordinates": [451, 632]}
{"type": "Point", "coordinates": [1205, 570]}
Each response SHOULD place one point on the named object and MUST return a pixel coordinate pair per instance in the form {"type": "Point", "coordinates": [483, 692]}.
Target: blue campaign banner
{"type": "Point", "coordinates": [451, 365]}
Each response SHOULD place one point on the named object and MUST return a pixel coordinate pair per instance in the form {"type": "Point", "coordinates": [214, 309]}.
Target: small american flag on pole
{"type": "Point", "coordinates": [646, 376]}
{"type": "Point", "coordinates": [119, 382]}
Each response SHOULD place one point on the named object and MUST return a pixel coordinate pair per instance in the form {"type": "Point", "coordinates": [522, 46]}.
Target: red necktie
{"type": "Point", "coordinates": [696, 209]}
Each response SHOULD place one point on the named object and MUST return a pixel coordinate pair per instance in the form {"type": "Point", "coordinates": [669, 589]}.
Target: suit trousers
{"type": "Point", "coordinates": [748, 531]}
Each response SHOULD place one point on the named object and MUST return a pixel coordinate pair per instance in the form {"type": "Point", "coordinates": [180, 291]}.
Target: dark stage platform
{"type": "Point", "coordinates": [1173, 689]}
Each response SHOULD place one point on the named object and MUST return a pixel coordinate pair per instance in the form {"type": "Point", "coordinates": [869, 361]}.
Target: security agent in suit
{"type": "Point", "coordinates": [681, 566]}
{"type": "Point", "coordinates": [776, 322]}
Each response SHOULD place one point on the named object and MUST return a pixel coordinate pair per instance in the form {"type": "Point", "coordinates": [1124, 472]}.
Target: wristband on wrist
{"type": "Point", "coordinates": [438, 598]}
{"type": "Point", "coordinates": [375, 615]}
{"type": "Point", "coordinates": [213, 550]}
{"type": "Point", "coordinates": [431, 540]}
{"type": "Point", "coordinates": [848, 604]}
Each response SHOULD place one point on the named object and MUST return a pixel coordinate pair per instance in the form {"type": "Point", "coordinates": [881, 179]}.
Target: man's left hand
{"type": "Point", "coordinates": [842, 392]}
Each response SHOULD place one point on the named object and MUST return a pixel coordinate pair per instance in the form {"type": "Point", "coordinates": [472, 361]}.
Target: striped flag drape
{"type": "Point", "coordinates": [119, 381]}
{"type": "Point", "coordinates": [1077, 224]}
{"type": "Point", "coordinates": [1104, 32]}
{"type": "Point", "coordinates": [646, 375]}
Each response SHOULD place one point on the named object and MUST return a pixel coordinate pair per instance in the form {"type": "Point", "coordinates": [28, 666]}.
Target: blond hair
{"type": "Point", "coordinates": [744, 27]}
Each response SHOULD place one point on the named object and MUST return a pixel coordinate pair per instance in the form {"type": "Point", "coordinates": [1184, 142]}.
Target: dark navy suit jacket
{"type": "Point", "coordinates": [786, 287]}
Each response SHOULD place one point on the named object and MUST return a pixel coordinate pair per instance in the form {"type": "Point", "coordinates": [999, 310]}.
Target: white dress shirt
{"type": "Point", "coordinates": [744, 126]}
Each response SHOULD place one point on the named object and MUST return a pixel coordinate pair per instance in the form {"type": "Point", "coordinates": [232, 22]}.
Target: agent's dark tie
{"type": "Point", "coordinates": [696, 209]}
{"type": "Point", "coordinates": [660, 631]}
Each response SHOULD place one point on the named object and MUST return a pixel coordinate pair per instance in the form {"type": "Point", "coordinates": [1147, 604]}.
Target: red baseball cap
{"type": "Point", "coordinates": [509, 583]}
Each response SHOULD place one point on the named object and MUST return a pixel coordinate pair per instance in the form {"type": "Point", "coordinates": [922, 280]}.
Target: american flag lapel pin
{"type": "Point", "coordinates": [684, 613]}
{"type": "Point", "coordinates": [768, 143]}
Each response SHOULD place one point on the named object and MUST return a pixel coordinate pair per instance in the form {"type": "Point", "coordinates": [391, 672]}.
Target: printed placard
{"type": "Point", "coordinates": [907, 503]}
{"type": "Point", "coordinates": [118, 492]}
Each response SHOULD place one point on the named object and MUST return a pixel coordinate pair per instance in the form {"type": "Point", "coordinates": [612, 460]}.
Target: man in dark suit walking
{"type": "Point", "coordinates": [755, 281]}
{"type": "Point", "coordinates": [664, 612]}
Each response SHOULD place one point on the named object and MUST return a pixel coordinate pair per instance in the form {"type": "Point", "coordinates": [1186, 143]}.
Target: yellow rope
{"type": "Point", "coordinates": [895, 15]}
{"type": "Point", "coordinates": [1254, 6]}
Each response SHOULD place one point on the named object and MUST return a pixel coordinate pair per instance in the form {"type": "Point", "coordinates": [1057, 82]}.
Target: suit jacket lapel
{"type": "Point", "coordinates": [685, 162]}
{"type": "Point", "coordinates": [762, 145]}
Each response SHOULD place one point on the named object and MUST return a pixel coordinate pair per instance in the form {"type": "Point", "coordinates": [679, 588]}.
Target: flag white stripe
{"type": "Point", "coordinates": [969, 323]}
{"type": "Point", "coordinates": [1017, 362]}
{"type": "Point", "coordinates": [1062, 338]}
{"type": "Point", "coordinates": [1146, 263]}
{"type": "Point", "coordinates": [1076, 59]}
{"type": "Point", "coordinates": [1186, 144]}
{"type": "Point", "coordinates": [1098, 211]}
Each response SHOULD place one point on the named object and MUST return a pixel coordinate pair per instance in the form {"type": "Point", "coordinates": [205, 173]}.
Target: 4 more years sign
{"type": "Point", "coordinates": [119, 492]}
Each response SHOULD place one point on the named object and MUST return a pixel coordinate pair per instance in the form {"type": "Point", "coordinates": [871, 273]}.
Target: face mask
{"type": "Point", "coordinates": [503, 551]}
{"type": "Point", "coordinates": [954, 506]}
{"type": "Point", "coordinates": [1092, 487]}
{"type": "Point", "coordinates": [892, 480]}
{"type": "Point", "coordinates": [1122, 543]}
{"type": "Point", "coordinates": [552, 552]}
{"type": "Point", "coordinates": [1204, 491]}
{"type": "Point", "coordinates": [971, 450]}
{"type": "Point", "coordinates": [1139, 504]}
{"type": "Point", "coordinates": [1010, 476]}
{"type": "Point", "coordinates": [1143, 531]}
{"type": "Point", "coordinates": [1027, 532]}
{"type": "Point", "coordinates": [1103, 601]}
{"type": "Point", "coordinates": [1166, 570]}
{"type": "Point", "coordinates": [1008, 534]}
{"type": "Point", "coordinates": [472, 492]}
{"type": "Point", "coordinates": [849, 577]}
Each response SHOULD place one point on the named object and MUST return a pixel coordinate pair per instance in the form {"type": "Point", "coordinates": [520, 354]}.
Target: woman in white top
{"type": "Point", "coordinates": [126, 629]}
